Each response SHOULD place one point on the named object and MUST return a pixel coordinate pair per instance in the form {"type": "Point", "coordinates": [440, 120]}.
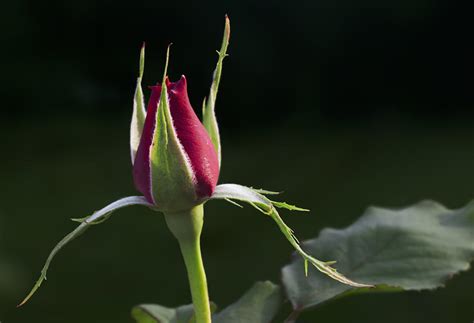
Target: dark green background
{"type": "Point", "coordinates": [341, 104]}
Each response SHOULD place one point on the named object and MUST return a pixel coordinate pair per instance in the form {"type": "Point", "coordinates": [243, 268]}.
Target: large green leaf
{"type": "Point", "coordinates": [415, 248]}
{"type": "Point", "coordinates": [151, 313]}
{"type": "Point", "coordinates": [258, 305]}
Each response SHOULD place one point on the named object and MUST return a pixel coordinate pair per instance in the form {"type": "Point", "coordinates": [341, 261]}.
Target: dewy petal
{"type": "Point", "coordinates": [194, 139]}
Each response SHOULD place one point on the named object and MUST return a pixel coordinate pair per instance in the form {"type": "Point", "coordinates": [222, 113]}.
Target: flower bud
{"type": "Point", "coordinates": [176, 166]}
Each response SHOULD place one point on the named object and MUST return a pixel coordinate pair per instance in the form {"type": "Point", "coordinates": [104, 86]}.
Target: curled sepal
{"type": "Point", "coordinates": [85, 223]}
{"type": "Point", "coordinates": [263, 204]}
{"type": "Point", "coordinates": [139, 112]}
{"type": "Point", "coordinates": [208, 107]}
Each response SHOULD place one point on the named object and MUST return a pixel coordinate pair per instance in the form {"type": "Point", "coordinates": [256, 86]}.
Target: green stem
{"type": "Point", "coordinates": [186, 227]}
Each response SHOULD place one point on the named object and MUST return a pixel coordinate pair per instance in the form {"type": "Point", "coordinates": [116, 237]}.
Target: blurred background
{"type": "Point", "coordinates": [342, 104]}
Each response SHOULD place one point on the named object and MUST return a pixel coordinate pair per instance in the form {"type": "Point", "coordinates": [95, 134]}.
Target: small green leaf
{"type": "Point", "coordinates": [284, 205]}
{"type": "Point", "coordinates": [258, 305]}
{"type": "Point", "coordinates": [415, 248]}
{"type": "Point", "coordinates": [152, 313]}
{"type": "Point", "coordinates": [104, 218]}
{"type": "Point", "coordinates": [208, 107]}
{"type": "Point", "coordinates": [85, 223]}
{"type": "Point", "coordinates": [266, 206]}
{"type": "Point", "coordinates": [265, 192]}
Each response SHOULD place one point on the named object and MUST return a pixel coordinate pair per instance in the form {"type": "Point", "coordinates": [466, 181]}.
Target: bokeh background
{"type": "Point", "coordinates": [342, 104]}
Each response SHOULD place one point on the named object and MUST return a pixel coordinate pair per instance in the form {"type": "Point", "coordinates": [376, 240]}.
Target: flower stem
{"type": "Point", "coordinates": [186, 226]}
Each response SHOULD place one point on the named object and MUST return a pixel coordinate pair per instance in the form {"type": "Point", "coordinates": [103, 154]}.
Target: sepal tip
{"type": "Point", "coordinates": [142, 61]}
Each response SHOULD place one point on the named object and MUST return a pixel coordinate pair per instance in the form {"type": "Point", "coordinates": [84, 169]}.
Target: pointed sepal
{"type": "Point", "coordinates": [172, 177]}
{"type": "Point", "coordinates": [139, 113]}
{"type": "Point", "coordinates": [263, 204]}
{"type": "Point", "coordinates": [208, 107]}
{"type": "Point", "coordinates": [95, 218]}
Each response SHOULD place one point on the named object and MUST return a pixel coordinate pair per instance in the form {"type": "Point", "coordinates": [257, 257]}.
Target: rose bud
{"type": "Point", "coordinates": [176, 161]}
{"type": "Point", "coordinates": [176, 166]}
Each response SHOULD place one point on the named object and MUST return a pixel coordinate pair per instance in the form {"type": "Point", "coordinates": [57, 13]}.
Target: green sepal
{"type": "Point", "coordinates": [171, 174]}
{"type": "Point", "coordinates": [266, 206]}
{"type": "Point", "coordinates": [139, 112]}
{"type": "Point", "coordinates": [208, 106]}
{"type": "Point", "coordinates": [95, 218]}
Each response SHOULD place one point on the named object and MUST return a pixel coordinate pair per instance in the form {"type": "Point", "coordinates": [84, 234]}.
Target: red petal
{"type": "Point", "coordinates": [141, 167]}
{"type": "Point", "coordinates": [194, 138]}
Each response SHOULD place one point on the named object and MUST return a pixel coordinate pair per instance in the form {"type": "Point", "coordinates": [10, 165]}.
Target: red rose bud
{"type": "Point", "coordinates": [176, 165]}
